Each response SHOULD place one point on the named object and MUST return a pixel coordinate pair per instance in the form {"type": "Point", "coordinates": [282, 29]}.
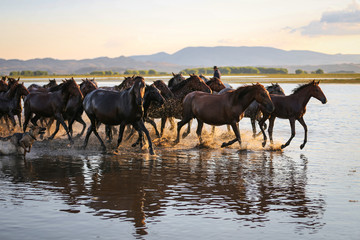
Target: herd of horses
{"type": "Point", "coordinates": [133, 102]}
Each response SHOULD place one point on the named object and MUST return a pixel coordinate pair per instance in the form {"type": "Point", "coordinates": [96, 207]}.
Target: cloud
{"type": "Point", "coordinates": [343, 22]}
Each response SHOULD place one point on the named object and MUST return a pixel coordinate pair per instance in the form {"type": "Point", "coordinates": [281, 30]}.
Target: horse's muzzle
{"type": "Point", "coordinates": [324, 100]}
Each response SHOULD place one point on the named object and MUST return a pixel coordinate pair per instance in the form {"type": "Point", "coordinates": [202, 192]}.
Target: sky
{"type": "Point", "coordinates": [80, 29]}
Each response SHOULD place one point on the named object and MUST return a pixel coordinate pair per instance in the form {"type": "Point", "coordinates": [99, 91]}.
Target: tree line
{"type": "Point", "coordinates": [208, 71]}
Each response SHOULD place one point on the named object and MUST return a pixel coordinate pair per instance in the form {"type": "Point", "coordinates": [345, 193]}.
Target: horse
{"type": "Point", "coordinates": [10, 102]}
{"type": "Point", "coordinates": [44, 88]}
{"type": "Point", "coordinates": [292, 107]}
{"type": "Point", "coordinates": [51, 104]}
{"type": "Point", "coordinates": [125, 84]}
{"type": "Point", "coordinates": [173, 106]}
{"type": "Point", "coordinates": [215, 84]}
{"type": "Point", "coordinates": [116, 108]}
{"type": "Point", "coordinates": [207, 80]}
{"type": "Point", "coordinates": [3, 86]}
{"type": "Point", "coordinates": [225, 108]}
{"type": "Point", "coordinates": [176, 79]}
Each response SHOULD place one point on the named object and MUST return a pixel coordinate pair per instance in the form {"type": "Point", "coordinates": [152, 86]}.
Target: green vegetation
{"type": "Point", "coordinates": [237, 70]}
{"type": "Point", "coordinates": [28, 73]}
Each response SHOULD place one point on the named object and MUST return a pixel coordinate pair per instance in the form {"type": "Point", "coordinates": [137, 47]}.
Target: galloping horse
{"type": "Point", "coordinates": [114, 108]}
{"type": "Point", "coordinates": [10, 102]}
{"type": "Point", "coordinates": [51, 104]}
{"type": "Point", "coordinates": [292, 107]}
{"type": "Point", "coordinates": [225, 108]}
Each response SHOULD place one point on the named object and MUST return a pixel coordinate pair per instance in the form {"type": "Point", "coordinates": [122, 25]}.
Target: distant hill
{"type": "Point", "coordinates": [247, 56]}
{"type": "Point", "coordinates": [191, 57]}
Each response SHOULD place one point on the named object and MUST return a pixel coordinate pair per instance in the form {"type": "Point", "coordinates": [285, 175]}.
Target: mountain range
{"type": "Point", "coordinates": [192, 57]}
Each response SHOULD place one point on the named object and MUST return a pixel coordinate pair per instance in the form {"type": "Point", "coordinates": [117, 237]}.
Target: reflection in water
{"type": "Point", "coordinates": [251, 187]}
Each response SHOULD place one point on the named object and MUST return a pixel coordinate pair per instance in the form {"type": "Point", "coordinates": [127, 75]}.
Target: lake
{"type": "Point", "coordinates": [191, 191]}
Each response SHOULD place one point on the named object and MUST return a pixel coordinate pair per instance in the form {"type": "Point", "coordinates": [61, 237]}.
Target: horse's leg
{"type": "Point", "coordinates": [97, 135]}
{"type": "Point", "coordinates": [82, 122]}
{"type": "Point", "coordinates": [19, 119]}
{"type": "Point", "coordinates": [172, 123]}
{"type": "Point", "coordinates": [140, 137]}
{"type": "Point", "coordinates": [261, 125]}
{"type": "Point", "coordinates": [56, 130]}
{"type": "Point", "coordinates": [163, 122]}
{"type": "Point", "coordinates": [235, 128]}
{"type": "Point", "coordinates": [187, 130]}
{"type": "Point", "coordinates": [27, 116]}
{"type": "Point", "coordinates": [148, 120]}
{"type": "Point", "coordinates": [90, 129]}
{"type": "Point", "coordinates": [199, 130]}
{"type": "Point", "coordinates": [121, 133]}
{"type": "Point", "coordinates": [302, 122]}
{"type": "Point", "coordinates": [179, 126]}
{"type": "Point", "coordinates": [271, 127]}
{"type": "Point", "coordinates": [143, 128]}
{"type": "Point", "coordinates": [109, 134]}
{"type": "Point", "coordinates": [60, 118]}
{"type": "Point", "coordinates": [292, 125]}
{"type": "Point", "coordinates": [212, 130]}
{"type": "Point", "coordinates": [253, 126]}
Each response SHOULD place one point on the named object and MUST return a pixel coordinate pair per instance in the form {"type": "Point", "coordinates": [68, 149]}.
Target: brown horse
{"type": "Point", "coordinates": [10, 102]}
{"type": "Point", "coordinates": [215, 84]}
{"type": "Point", "coordinates": [3, 86]}
{"type": "Point", "coordinates": [225, 108]}
{"type": "Point", "coordinates": [292, 107]}
{"type": "Point", "coordinates": [51, 104]}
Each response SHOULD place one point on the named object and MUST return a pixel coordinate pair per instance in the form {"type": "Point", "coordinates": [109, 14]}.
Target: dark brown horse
{"type": "Point", "coordinates": [225, 108]}
{"type": "Point", "coordinates": [292, 107]}
{"type": "Point", "coordinates": [45, 88]}
{"type": "Point", "coordinates": [125, 84]}
{"type": "Point", "coordinates": [3, 86]}
{"type": "Point", "coordinates": [116, 108]}
{"type": "Point", "coordinates": [173, 106]}
{"type": "Point", "coordinates": [215, 84]}
{"type": "Point", "coordinates": [10, 102]}
{"type": "Point", "coordinates": [51, 104]}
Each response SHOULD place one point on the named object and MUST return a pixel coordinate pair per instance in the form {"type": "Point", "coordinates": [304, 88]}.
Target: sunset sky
{"type": "Point", "coordinates": [78, 29]}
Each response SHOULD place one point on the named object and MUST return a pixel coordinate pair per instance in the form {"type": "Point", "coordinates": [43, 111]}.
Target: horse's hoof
{"type": "Point", "coordinates": [283, 146]}
{"type": "Point", "coordinates": [151, 151]}
{"type": "Point", "coordinates": [176, 142]}
{"type": "Point", "coordinates": [302, 146]}
{"type": "Point", "coordinates": [223, 145]}
{"type": "Point", "coordinates": [263, 144]}
{"type": "Point", "coordinates": [134, 144]}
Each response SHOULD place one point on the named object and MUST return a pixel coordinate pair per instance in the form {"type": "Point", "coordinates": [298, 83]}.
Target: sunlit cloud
{"type": "Point", "coordinates": [342, 22]}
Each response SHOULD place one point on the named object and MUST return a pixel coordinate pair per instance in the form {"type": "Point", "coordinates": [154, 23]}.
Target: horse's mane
{"type": "Point", "coordinates": [302, 86]}
{"type": "Point", "coordinates": [242, 90]}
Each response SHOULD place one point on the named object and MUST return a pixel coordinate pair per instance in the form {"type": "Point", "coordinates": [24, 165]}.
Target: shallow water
{"type": "Point", "coordinates": [191, 191]}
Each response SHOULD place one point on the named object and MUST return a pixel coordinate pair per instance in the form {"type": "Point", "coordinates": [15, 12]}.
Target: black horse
{"type": "Point", "coordinates": [50, 104]}
{"type": "Point", "coordinates": [116, 108]}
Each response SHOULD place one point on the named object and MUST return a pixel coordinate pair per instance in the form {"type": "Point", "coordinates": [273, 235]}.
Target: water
{"type": "Point", "coordinates": [192, 192]}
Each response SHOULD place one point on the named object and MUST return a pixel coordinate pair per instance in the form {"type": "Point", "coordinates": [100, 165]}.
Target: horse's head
{"type": "Point", "coordinates": [87, 86]}
{"type": "Point", "coordinates": [176, 79]}
{"type": "Point", "coordinates": [12, 81]}
{"type": "Point", "coordinates": [3, 86]}
{"type": "Point", "coordinates": [262, 96]}
{"type": "Point", "coordinates": [22, 90]}
{"type": "Point", "coordinates": [152, 93]}
{"type": "Point", "coordinates": [197, 84]}
{"type": "Point", "coordinates": [138, 90]}
{"type": "Point", "coordinates": [71, 87]}
{"type": "Point", "coordinates": [52, 83]}
{"type": "Point", "coordinates": [317, 93]}
{"type": "Point", "coordinates": [275, 88]}
{"type": "Point", "coordinates": [215, 84]}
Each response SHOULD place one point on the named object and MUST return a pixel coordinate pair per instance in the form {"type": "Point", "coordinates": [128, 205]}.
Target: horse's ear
{"type": "Point", "coordinates": [83, 80]}
{"type": "Point", "coordinates": [173, 74]}
{"type": "Point", "coordinates": [318, 82]}
{"type": "Point", "coordinates": [18, 79]}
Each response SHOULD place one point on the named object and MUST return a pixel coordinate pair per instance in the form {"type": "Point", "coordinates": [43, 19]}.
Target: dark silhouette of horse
{"type": "Point", "coordinates": [45, 88]}
{"type": "Point", "coordinates": [292, 107]}
{"type": "Point", "coordinates": [116, 108]}
{"type": "Point", "coordinates": [11, 100]}
{"type": "Point", "coordinates": [51, 104]}
{"type": "Point", "coordinates": [215, 84]}
{"type": "Point", "coordinates": [225, 108]}
{"type": "Point", "coordinates": [125, 84]}
{"type": "Point", "coordinates": [3, 86]}
{"type": "Point", "coordinates": [173, 106]}
{"type": "Point", "coordinates": [176, 79]}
